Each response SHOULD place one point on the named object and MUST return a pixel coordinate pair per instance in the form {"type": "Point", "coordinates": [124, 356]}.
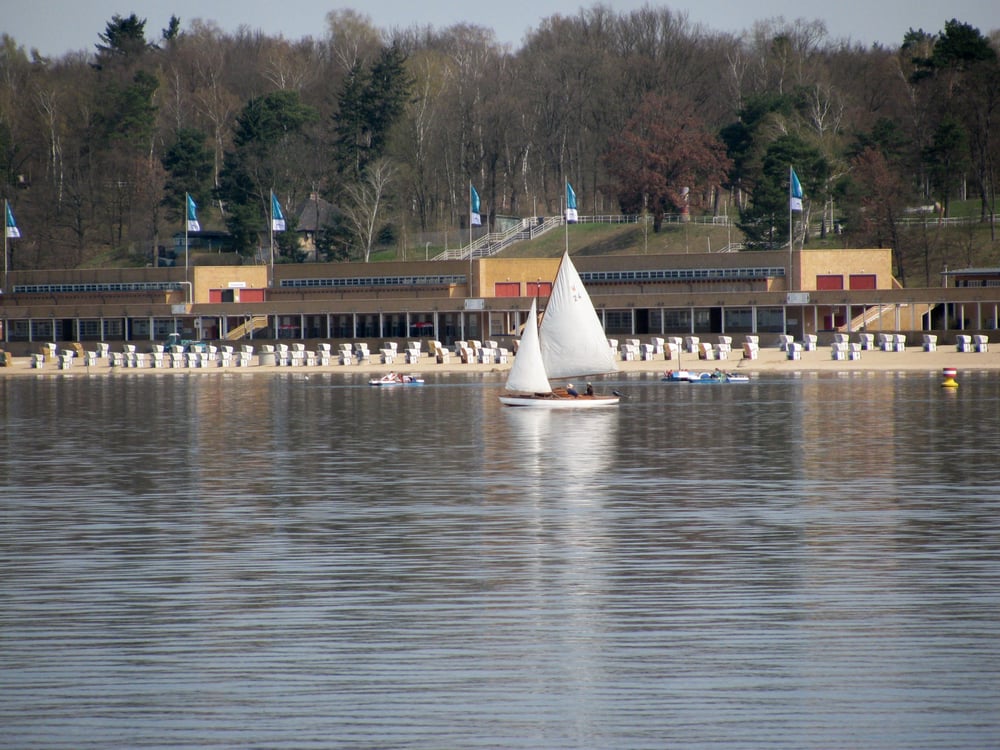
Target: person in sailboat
{"type": "Point", "coordinates": [572, 391]}
{"type": "Point", "coordinates": [590, 389]}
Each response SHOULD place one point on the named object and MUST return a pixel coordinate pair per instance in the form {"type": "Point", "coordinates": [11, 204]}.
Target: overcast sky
{"type": "Point", "coordinates": [55, 27]}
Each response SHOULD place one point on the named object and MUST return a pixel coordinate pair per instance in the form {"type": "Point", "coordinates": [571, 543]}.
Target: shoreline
{"type": "Point", "coordinates": [770, 361]}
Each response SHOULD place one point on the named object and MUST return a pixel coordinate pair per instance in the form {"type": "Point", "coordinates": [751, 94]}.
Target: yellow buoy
{"type": "Point", "coordinates": [949, 378]}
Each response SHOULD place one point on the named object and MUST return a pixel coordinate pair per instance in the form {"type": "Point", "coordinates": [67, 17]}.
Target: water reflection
{"type": "Point", "coordinates": [308, 562]}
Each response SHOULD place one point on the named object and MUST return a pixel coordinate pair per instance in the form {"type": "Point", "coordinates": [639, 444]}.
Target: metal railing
{"type": "Point", "coordinates": [490, 244]}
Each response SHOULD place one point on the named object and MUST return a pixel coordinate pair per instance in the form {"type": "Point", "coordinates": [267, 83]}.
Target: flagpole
{"type": "Point", "coordinates": [187, 198]}
{"type": "Point", "coordinates": [6, 208]}
{"type": "Point", "coordinates": [270, 224]}
{"type": "Point", "coordinates": [470, 239]}
{"type": "Point", "coordinates": [565, 203]}
{"type": "Point", "coordinates": [790, 228]}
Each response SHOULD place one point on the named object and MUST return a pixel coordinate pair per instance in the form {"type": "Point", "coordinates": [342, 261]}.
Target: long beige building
{"type": "Point", "coordinates": [759, 292]}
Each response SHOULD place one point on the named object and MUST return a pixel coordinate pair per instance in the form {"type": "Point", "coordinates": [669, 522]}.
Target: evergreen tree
{"type": "Point", "coordinates": [766, 219]}
{"type": "Point", "coordinates": [188, 162]}
{"type": "Point", "coordinates": [123, 40]}
{"type": "Point", "coordinates": [369, 105]}
{"type": "Point", "coordinates": [268, 128]}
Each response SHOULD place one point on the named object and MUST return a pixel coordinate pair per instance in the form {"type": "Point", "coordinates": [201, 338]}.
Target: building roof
{"type": "Point", "coordinates": [315, 213]}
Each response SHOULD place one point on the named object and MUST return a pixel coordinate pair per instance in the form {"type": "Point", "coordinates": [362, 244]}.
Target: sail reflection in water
{"type": "Point", "coordinates": [290, 562]}
{"type": "Point", "coordinates": [565, 455]}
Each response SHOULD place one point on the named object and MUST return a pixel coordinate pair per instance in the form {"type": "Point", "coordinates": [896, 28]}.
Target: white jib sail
{"type": "Point", "coordinates": [572, 338]}
{"type": "Point", "coordinates": [527, 374]}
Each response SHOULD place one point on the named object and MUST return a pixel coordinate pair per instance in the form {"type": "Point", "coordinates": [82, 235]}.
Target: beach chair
{"type": "Point", "coordinates": [981, 343]}
{"type": "Point", "coordinates": [441, 354]}
{"type": "Point", "coordinates": [282, 358]}
{"type": "Point", "coordinates": [963, 343]}
{"type": "Point", "coordinates": [930, 342]}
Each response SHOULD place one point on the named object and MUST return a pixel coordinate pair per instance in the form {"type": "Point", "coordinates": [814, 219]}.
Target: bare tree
{"type": "Point", "coordinates": [367, 203]}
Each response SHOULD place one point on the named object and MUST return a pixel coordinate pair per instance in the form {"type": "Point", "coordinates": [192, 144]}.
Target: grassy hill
{"type": "Point", "coordinates": [926, 247]}
{"type": "Point", "coordinates": [625, 239]}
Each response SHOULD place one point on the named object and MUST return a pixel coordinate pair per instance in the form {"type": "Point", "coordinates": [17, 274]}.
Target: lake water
{"type": "Point", "coordinates": [255, 561]}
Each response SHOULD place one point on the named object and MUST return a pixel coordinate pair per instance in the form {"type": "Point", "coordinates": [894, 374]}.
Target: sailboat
{"type": "Point", "coordinates": [569, 343]}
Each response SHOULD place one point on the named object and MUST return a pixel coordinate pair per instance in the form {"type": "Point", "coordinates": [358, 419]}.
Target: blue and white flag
{"type": "Point", "coordinates": [192, 215]}
{"type": "Point", "coordinates": [571, 215]}
{"type": "Point", "coordinates": [12, 231]}
{"type": "Point", "coordinates": [277, 217]}
{"type": "Point", "coordinates": [474, 219]}
{"type": "Point", "coordinates": [794, 192]}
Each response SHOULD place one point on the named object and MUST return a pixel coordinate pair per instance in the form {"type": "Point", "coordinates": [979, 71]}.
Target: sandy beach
{"type": "Point", "coordinates": [769, 361]}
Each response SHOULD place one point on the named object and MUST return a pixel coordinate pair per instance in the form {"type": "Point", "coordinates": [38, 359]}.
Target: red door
{"type": "Point", "coordinates": [862, 281]}
{"type": "Point", "coordinates": [831, 282]}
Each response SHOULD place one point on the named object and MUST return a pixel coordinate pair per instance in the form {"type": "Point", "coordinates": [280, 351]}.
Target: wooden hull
{"type": "Point", "coordinates": [558, 402]}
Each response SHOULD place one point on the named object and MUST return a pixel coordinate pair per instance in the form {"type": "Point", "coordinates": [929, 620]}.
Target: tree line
{"type": "Point", "coordinates": [642, 111]}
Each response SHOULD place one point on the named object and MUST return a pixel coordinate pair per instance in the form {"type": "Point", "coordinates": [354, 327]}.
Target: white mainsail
{"type": "Point", "coordinates": [527, 374]}
{"type": "Point", "coordinates": [573, 341]}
